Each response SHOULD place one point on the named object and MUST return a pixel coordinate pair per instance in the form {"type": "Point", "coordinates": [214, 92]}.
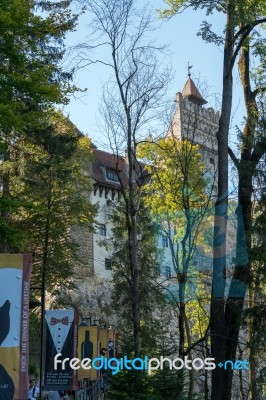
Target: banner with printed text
{"type": "Point", "coordinates": [61, 337]}
{"type": "Point", "coordinates": [15, 272]}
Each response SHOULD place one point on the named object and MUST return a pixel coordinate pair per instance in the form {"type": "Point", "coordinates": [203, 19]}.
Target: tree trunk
{"type": "Point", "coordinates": [217, 321]}
{"type": "Point", "coordinates": [135, 288]}
{"type": "Point", "coordinates": [252, 354]}
{"type": "Point", "coordinates": [181, 328]}
{"type": "Point", "coordinates": [4, 244]}
{"type": "Point", "coordinates": [132, 241]}
{"type": "Point", "coordinates": [241, 276]}
{"type": "Point", "coordinates": [191, 371]}
{"type": "Point", "coordinates": [44, 270]}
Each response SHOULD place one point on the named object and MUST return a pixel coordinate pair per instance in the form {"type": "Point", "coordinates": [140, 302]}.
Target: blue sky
{"type": "Point", "coordinates": [180, 34]}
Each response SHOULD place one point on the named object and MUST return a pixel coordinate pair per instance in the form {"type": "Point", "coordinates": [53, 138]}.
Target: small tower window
{"type": "Point", "coordinates": [102, 229]}
{"type": "Point", "coordinates": [108, 264]}
{"type": "Point", "coordinates": [168, 272]}
{"type": "Point", "coordinates": [212, 160]}
{"type": "Point", "coordinates": [164, 241]}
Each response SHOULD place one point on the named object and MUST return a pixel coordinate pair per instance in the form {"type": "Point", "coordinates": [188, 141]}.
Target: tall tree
{"type": "Point", "coordinates": [31, 80]}
{"type": "Point", "coordinates": [241, 18]}
{"type": "Point", "coordinates": [176, 195]}
{"type": "Point", "coordinates": [149, 291]}
{"type": "Point", "coordinates": [131, 101]}
{"type": "Point", "coordinates": [54, 188]}
{"type": "Point", "coordinates": [250, 183]}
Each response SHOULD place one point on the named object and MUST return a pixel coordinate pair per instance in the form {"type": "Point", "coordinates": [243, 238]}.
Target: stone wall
{"type": "Point", "coordinates": [83, 237]}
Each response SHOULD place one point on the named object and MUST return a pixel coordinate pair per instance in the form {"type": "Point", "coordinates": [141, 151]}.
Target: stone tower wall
{"type": "Point", "coordinates": [199, 125]}
{"type": "Point", "coordinates": [84, 238]}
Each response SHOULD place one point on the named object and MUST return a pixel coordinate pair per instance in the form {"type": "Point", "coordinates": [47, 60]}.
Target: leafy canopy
{"type": "Point", "coordinates": [176, 172]}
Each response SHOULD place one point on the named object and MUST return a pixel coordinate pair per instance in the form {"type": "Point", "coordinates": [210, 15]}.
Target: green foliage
{"type": "Point", "coordinates": [257, 304]}
{"type": "Point", "coordinates": [32, 81]}
{"type": "Point", "coordinates": [176, 194]}
{"type": "Point", "coordinates": [245, 14]}
{"type": "Point", "coordinates": [35, 342]}
{"type": "Point", "coordinates": [34, 370]}
{"type": "Point", "coordinates": [178, 6]}
{"type": "Point", "coordinates": [44, 159]}
{"type": "Point", "coordinates": [245, 10]}
{"type": "Point", "coordinates": [54, 184]}
{"type": "Point", "coordinates": [149, 294]}
{"type": "Point", "coordinates": [162, 385]}
{"type": "Point", "coordinates": [177, 179]}
{"type": "Point", "coordinates": [31, 48]}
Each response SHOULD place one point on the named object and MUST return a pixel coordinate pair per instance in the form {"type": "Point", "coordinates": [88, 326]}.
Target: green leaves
{"type": "Point", "coordinates": [178, 6]}
{"type": "Point", "coordinates": [176, 174]}
{"type": "Point", "coordinates": [32, 80]}
{"type": "Point", "coordinates": [56, 182]}
{"type": "Point", "coordinates": [31, 48]}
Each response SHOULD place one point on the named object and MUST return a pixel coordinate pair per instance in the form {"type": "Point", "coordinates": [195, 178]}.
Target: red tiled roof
{"type": "Point", "coordinates": [103, 160]}
{"type": "Point", "coordinates": [192, 93]}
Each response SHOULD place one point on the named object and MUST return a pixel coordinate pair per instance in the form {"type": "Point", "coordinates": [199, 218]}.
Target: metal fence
{"type": "Point", "coordinates": [94, 392]}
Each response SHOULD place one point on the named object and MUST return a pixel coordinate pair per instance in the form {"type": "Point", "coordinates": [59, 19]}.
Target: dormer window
{"type": "Point", "coordinates": [111, 175]}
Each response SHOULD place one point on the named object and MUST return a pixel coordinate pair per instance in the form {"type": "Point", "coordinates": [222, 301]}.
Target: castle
{"type": "Point", "coordinates": [191, 121]}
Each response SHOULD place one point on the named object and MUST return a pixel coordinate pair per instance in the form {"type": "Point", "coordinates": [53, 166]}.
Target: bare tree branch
{"type": "Point", "coordinates": [233, 157]}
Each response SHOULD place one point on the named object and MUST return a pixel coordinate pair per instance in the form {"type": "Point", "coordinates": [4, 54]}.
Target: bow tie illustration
{"type": "Point", "coordinates": [63, 321]}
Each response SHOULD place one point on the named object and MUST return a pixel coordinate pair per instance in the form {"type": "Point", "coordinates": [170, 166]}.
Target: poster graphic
{"type": "Point", "coordinates": [61, 337]}
{"type": "Point", "coordinates": [15, 272]}
{"type": "Point", "coordinates": [88, 347]}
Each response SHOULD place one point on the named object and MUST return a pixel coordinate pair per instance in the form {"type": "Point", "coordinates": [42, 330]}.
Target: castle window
{"type": "Point", "coordinates": [168, 272]}
{"type": "Point", "coordinates": [211, 160]}
{"type": "Point", "coordinates": [102, 229]}
{"type": "Point", "coordinates": [108, 264]}
{"type": "Point", "coordinates": [164, 241]}
{"type": "Point", "coordinates": [111, 175]}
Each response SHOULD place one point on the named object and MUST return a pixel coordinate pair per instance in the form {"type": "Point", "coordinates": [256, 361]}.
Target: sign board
{"type": "Point", "coordinates": [15, 272]}
{"type": "Point", "coordinates": [89, 347]}
{"type": "Point", "coordinates": [61, 337]}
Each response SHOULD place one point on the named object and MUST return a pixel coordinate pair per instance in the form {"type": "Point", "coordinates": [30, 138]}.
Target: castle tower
{"type": "Point", "coordinates": [199, 125]}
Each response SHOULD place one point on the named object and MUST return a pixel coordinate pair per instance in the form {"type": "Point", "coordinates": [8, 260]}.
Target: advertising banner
{"type": "Point", "coordinates": [15, 272]}
{"type": "Point", "coordinates": [88, 347]}
{"type": "Point", "coordinates": [104, 338]}
{"type": "Point", "coordinates": [61, 337]}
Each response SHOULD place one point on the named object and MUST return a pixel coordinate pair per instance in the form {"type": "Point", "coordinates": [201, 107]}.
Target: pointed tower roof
{"type": "Point", "coordinates": [192, 93]}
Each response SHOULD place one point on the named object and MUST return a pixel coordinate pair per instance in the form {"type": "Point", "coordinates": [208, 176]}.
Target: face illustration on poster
{"type": "Point", "coordinates": [10, 311]}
